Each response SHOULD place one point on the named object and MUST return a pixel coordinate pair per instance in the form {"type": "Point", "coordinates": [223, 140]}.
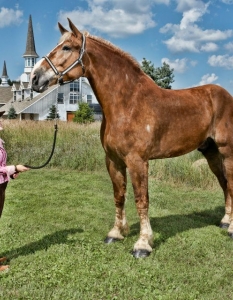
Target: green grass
{"type": "Point", "coordinates": [54, 223]}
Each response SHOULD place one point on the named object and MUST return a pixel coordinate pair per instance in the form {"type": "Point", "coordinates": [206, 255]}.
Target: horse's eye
{"type": "Point", "coordinates": [66, 48]}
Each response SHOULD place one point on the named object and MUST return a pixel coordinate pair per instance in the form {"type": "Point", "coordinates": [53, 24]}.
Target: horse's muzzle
{"type": "Point", "coordinates": [37, 85]}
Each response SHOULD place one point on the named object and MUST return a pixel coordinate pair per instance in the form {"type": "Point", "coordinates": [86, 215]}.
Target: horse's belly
{"type": "Point", "coordinates": [176, 144]}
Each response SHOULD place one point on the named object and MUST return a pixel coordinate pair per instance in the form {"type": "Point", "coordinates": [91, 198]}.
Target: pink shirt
{"type": "Point", "coordinates": [5, 171]}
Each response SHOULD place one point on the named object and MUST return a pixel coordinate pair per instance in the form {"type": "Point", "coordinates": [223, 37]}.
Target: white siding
{"type": "Point", "coordinates": [42, 106]}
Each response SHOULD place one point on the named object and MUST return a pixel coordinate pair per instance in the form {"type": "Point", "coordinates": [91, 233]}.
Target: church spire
{"type": "Point", "coordinates": [30, 46]}
{"type": "Point", "coordinates": [4, 71]}
{"type": "Point", "coordinates": [4, 76]}
{"type": "Point", "coordinates": [30, 54]}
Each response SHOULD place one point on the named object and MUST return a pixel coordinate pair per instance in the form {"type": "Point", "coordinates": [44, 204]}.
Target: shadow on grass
{"type": "Point", "coordinates": [58, 237]}
{"type": "Point", "coordinates": [166, 227]}
{"type": "Point", "coordinates": [169, 226]}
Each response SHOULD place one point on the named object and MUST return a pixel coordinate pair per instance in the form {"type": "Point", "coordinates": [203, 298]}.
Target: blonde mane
{"type": "Point", "coordinates": [113, 47]}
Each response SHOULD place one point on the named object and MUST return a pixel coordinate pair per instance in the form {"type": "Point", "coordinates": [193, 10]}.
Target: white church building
{"type": "Point", "coordinates": [30, 105]}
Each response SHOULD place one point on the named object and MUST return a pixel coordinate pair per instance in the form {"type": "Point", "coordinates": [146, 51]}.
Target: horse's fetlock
{"type": "Point", "coordinates": [230, 228]}
{"type": "Point", "coordinates": [143, 244]}
{"type": "Point", "coordinates": [226, 219]}
{"type": "Point", "coordinates": [125, 229]}
{"type": "Point", "coordinates": [115, 233]}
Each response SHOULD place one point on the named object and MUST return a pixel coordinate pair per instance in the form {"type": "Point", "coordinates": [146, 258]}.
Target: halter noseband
{"type": "Point", "coordinates": [76, 62]}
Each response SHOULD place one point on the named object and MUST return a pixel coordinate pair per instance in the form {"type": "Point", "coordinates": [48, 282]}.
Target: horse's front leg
{"type": "Point", "coordinates": [117, 174]}
{"type": "Point", "coordinates": [225, 222]}
{"type": "Point", "coordinates": [138, 170]}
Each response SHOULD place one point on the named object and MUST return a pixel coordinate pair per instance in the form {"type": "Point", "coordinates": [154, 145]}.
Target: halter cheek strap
{"type": "Point", "coordinates": [76, 62]}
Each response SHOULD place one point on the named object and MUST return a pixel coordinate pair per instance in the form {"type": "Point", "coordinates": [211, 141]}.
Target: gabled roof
{"type": "Point", "coordinates": [5, 94]}
{"type": "Point", "coordinates": [20, 106]}
{"type": "Point", "coordinates": [24, 85]}
{"type": "Point", "coordinates": [15, 86]}
{"type": "Point", "coordinates": [30, 46]}
{"type": "Point", "coordinates": [19, 86]}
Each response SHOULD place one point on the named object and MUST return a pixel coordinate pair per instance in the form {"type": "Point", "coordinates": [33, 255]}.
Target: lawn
{"type": "Point", "coordinates": [54, 223]}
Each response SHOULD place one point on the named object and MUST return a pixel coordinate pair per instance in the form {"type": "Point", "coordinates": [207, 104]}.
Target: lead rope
{"type": "Point", "coordinates": [54, 139]}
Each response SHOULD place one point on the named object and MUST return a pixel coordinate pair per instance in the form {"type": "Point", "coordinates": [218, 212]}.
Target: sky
{"type": "Point", "coordinates": [194, 37]}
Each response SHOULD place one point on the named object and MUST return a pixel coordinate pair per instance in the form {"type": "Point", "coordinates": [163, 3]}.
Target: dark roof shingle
{"type": "Point", "coordinates": [5, 94]}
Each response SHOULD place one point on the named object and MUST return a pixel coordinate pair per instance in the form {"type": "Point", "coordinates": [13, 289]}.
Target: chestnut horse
{"type": "Point", "coordinates": [142, 121]}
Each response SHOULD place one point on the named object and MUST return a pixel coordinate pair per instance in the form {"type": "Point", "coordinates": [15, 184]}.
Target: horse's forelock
{"type": "Point", "coordinates": [65, 36]}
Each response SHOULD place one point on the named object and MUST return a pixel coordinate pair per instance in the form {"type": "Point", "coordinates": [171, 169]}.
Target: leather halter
{"type": "Point", "coordinates": [76, 62]}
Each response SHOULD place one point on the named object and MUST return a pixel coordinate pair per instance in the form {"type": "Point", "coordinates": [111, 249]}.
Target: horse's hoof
{"type": "Point", "coordinates": [224, 225]}
{"type": "Point", "coordinates": [140, 253]}
{"type": "Point", "coordinates": [230, 234]}
{"type": "Point", "coordinates": [109, 240]}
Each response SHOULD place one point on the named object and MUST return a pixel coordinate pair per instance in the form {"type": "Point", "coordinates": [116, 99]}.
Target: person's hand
{"type": "Point", "coordinates": [21, 168]}
{"type": "Point", "coordinates": [13, 176]}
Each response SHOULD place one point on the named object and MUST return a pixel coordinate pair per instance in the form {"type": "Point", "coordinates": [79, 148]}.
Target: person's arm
{"type": "Point", "coordinates": [14, 170]}
{"type": "Point", "coordinates": [10, 170]}
{"type": "Point", "coordinates": [3, 170]}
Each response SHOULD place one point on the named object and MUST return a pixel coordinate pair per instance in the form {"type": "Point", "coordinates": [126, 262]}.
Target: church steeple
{"type": "Point", "coordinates": [30, 46]}
{"type": "Point", "coordinates": [4, 76]}
{"type": "Point", "coordinates": [30, 54]}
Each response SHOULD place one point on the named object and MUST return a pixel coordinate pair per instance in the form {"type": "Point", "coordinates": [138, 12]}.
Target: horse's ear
{"type": "Point", "coordinates": [75, 31]}
{"type": "Point", "coordinates": [62, 29]}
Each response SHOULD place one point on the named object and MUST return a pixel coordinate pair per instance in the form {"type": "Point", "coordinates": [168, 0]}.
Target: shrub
{"type": "Point", "coordinates": [53, 113]}
{"type": "Point", "coordinates": [84, 114]}
{"type": "Point", "coordinates": [12, 113]}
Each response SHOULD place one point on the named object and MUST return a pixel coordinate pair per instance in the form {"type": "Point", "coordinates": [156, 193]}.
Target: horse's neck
{"type": "Point", "coordinates": [112, 75]}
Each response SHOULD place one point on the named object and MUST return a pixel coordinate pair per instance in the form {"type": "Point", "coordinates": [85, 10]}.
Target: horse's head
{"type": "Point", "coordinates": [64, 63]}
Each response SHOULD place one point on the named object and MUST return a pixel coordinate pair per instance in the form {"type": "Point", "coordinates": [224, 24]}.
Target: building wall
{"type": "Point", "coordinates": [41, 107]}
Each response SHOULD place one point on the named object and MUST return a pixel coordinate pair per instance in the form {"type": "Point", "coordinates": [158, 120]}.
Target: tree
{"type": "Point", "coordinates": [15, 81]}
{"type": "Point", "coordinates": [162, 76]}
{"type": "Point", "coordinates": [12, 113]}
{"type": "Point", "coordinates": [165, 76]}
{"type": "Point", "coordinates": [53, 113]}
{"type": "Point", "coordinates": [84, 114]}
{"type": "Point", "coordinates": [148, 68]}
{"type": "Point", "coordinates": [9, 82]}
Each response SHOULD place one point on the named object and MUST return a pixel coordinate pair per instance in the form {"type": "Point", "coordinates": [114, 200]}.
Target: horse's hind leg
{"type": "Point", "coordinates": [117, 174]}
{"type": "Point", "coordinates": [215, 160]}
{"type": "Point", "coordinates": [228, 164]}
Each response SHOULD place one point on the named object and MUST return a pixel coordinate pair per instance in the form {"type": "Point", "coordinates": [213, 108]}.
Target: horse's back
{"type": "Point", "coordinates": [179, 121]}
